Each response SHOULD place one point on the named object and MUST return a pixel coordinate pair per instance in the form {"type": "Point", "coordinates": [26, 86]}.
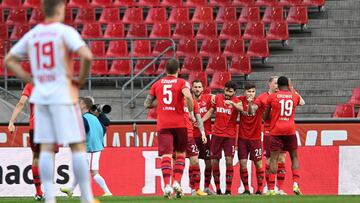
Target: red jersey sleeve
{"type": "Point", "coordinates": [27, 90]}
{"type": "Point", "coordinates": [296, 99]}
{"type": "Point", "coordinates": [196, 108]}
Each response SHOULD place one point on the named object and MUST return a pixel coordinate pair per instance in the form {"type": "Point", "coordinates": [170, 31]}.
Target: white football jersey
{"type": "Point", "coordinates": [49, 48]}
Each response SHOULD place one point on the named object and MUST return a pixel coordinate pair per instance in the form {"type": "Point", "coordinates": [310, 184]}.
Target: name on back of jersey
{"type": "Point", "coordinates": [223, 110]}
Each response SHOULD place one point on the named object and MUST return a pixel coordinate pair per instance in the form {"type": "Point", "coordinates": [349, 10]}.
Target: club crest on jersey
{"type": "Point", "coordinates": [223, 110]}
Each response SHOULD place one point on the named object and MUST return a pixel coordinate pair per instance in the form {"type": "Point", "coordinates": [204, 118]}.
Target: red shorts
{"type": "Point", "coordinates": [267, 139]}
{"type": "Point", "coordinates": [204, 149]}
{"type": "Point", "coordinates": [222, 143]}
{"type": "Point", "coordinates": [36, 147]}
{"type": "Point", "coordinates": [191, 148]}
{"type": "Point", "coordinates": [172, 139]}
{"type": "Point", "coordinates": [252, 147]}
{"type": "Point", "coordinates": [283, 143]}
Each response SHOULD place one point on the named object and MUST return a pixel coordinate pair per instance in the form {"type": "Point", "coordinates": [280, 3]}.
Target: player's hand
{"type": "Point", "coordinates": [203, 137]}
{"type": "Point", "coordinates": [228, 102]}
{"type": "Point", "coordinates": [213, 100]}
{"type": "Point", "coordinates": [11, 128]}
{"type": "Point", "coordinates": [250, 99]}
{"type": "Point", "coordinates": [76, 82]}
{"type": "Point", "coordinates": [192, 117]}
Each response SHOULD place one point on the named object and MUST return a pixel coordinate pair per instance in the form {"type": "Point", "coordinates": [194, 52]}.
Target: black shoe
{"type": "Point", "coordinates": [227, 192]}
{"type": "Point", "coordinates": [246, 192]}
{"type": "Point", "coordinates": [218, 192]}
{"type": "Point", "coordinates": [258, 192]}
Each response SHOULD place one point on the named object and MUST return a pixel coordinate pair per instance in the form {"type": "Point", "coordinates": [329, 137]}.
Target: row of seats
{"type": "Point", "coordinates": [348, 110]}
{"type": "Point", "coordinates": [166, 3]}
{"type": "Point", "coordinates": [296, 15]}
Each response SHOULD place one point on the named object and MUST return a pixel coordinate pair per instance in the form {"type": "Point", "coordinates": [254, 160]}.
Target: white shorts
{"type": "Point", "coordinates": [61, 124]}
{"type": "Point", "coordinates": [93, 159]}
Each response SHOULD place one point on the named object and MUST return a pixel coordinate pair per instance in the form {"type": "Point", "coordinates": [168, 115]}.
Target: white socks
{"type": "Point", "coordinates": [82, 175]}
{"type": "Point", "coordinates": [101, 182]}
{"type": "Point", "coordinates": [46, 165]}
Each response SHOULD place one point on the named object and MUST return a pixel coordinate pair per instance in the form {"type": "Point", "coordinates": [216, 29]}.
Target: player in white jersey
{"type": "Point", "coordinates": [49, 46]}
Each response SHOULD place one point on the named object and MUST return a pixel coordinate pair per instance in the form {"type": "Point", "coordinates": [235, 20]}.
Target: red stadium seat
{"type": "Point", "coordinates": [68, 16]}
{"type": "Point", "coordinates": [258, 48]}
{"type": "Point", "coordinates": [141, 64]}
{"type": "Point", "coordinates": [230, 30]}
{"type": "Point", "coordinates": [196, 3]}
{"type": "Point", "coordinates": [191, 64]}
{"type": "Point", "coordinates": [249, 14]}
{"type": "Point", "coordinates": [220, 3]}
{"type": "Point", "coordinates": [114, 30]}
{"type": "Point", "coordinates": [290, 2]}
{"type": "Point", "coordinates": [210, 48]}
{"type": "Point", "coordinates": [219, 80]}
{"type": "Point", "coordinates": [98, 48]}
{"type": "Point", "coordinates": [141, 48]}
{"type": "Point", "coordinates": [85, 15]}
{"type": "Point", "coordinates": [110, 15]}
{"type": "Point", "coordinates": [36, 17]}
{"type": "Point", "coordinates": [79, 3]}
{"type": "Point", "coordinates": [99, 67]}
{"type": "Point", "coordinates": [344, 111]}
{"type": "Point", "coordinates": [266, 2]}
{"type": "Point", "coordinates": [161, 30]}
{"type": "Point", "coordinates": [186, 47]}
{"type": "Point", "coordinates": [124, 3]}
{"type": "Point", "coordinates": [355, 97]}
{"type": "Point", "coordinates": [216, 64]}
{"type": "Point", "coordinates": [137, 30]}
{"type": "Point", "coordinates": [240, 65]}
{"type": "Point", "coordinates": [133, 15]}
{"type": "Point", "coordinates": [156, 15]}
{"type": "Point", "coordinates": [1, 16]}
{"type": "Point", "coordinates": [161, 46]}
{"type": "Point", "coordinates": [201, 75]}
{"type": "Point", "coordinates": [26, 66]}
{"type": "Point", "coordinates": [184, 30]}
{"type": "Point", "coordinates": [17, 16]}
{"type": "Point", "coordinates": [161, 67]}
{"type": "Point", "coordinates": [202, 15]}
{"type": "Point", "coordinates": [4, 32]}
{"type": "Point", "coordinates": [120, 67]}
{"type": "Point", "coordinates": [32, 4]}
{"type": "Point", "coordinates": [358, 115]}
{"type": "Point", "coordinates": [179, 15]}
{"type": "Point", "coordinates": [101, 3]}
{"type": "Point", "coordinates": [273, 14]}
{"type": "Point", "coordinates": [172, 3]}
{"type": "Point", "coordinates": [278, 31]}
{"type": "Point", "coordinates": [207, 30]}
{"type": "Point", "coordinates": [226, 14]}
{"type": "Point", "coordinates": [117, 49]}
{"type": "Point", "coordinates": [149, 3]}
{"type": "Point", "coordinates": [19, 31]}
{"type": "Point", "coordinates": [314, 3]}
{"type": "Point", "coordinates": [243, 2]}
{"type": "Point", "coordinates": [234, 47]}
{"type": "Point", "coordinates": [152, 114]}
{"type": "Point", "coordinates": [3, 48]}
{"type": "Point", "coordinates": [297, 15]}
{"type": "Point", "coordinates": [254, 30]}
{"type": "Point", "coordinates": [11, 3]}
{"type": "Point", "coordinates": [91, 30]}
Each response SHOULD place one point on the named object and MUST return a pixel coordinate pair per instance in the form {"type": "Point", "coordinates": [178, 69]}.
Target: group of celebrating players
{"type": "Point", "coordinates": [185, 131]}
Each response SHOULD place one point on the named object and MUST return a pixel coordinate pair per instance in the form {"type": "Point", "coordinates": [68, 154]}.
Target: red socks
{"type": "Point", "coordinates": [281, 175]}
{"type": "Point", "coordinates": [260, 179]}
{"type": "Point", "coordinates": [245, 178]}
{"type": "Point", "coordinates": [179, 167]}
{"type": "Point", "coordinates": [36, 180]}
{"type": "Point", "coordinates": [271, 183]}
{"type": "Point", "coordinates": [166, 168]}
{"type": "Point", "coordinates": [216, 174]}
{"type": "Point", "coordinates": [196, 177]}
{"type": "Point", "coordinates": [207, 176]}
{"type": "Point", "coordinates": [296, 175]}
{"type": "Point", "coordinates": [191, 179]}
{"type": "Point", "coordinates": [229, 177]}
{"type": "Point", "coordinates": [267, 172]}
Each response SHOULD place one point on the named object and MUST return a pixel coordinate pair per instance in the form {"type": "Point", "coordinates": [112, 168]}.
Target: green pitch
{"type": "Point", "coordinates": [211, 199]}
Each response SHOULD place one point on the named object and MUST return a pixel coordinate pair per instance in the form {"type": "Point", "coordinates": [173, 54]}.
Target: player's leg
{"type": "Point", "coordinates": [243, 152]}
{"type": "Point", "coordinates": [256, 156]}
{"type": "Point", "coordinates": [193, 152]}
{"type": "Point", "coordinates": [165, 149]}
{"type": "Point", "coordinates": [35, 148]}
{"type": "Point", "coordinates": [216, 150]}
{"type": "Point", "coordinates": [229, 150]}
{"type": "Point", "coordinates": [291, 145]}
{"type": "Point", "coordinates": [180, 145]}
{"type": "Point", "coordinates": [281, 173]}
{"type": "Point", "coordinates": [94, 168]}
{"type": "Point", "coordinates": [275, 148]}
{"type": "Point", "coordinates": [204, 153]}
{"type": "Point", "coordinates": [266, 145]}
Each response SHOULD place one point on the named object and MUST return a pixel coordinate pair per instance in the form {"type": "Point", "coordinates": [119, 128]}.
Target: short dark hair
{"type": "Point", "coordinates": [197, 81]}
{"type": "Point", "coordinates": [172, 66]}
{"type": "Point", "coordinates": [231, 84]}
{"type": "Point", "coordinates": [283, 81]}
{"type": "Point", "coordinates": [87, 101]}
{"type": "Point", "coordinates": [249, 85]}
{"type": "Point", "coordinates": [49, 6]}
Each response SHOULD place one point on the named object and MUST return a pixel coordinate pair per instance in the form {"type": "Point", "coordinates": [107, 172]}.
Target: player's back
{"type": "Point", "coordinates": [283, 105]}
{"type": "Point", "coordinates": [170, 102]}
{"type": "Point", "coordinates": [49, 48]}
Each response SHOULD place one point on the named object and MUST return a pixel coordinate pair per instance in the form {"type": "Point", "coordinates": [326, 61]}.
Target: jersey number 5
{"type": "Point", "coordinates": [167, 94]}
{"type": "Point", "coordinates": [286, 107]}
{"type": "Point", "coordinates": [45, 51]}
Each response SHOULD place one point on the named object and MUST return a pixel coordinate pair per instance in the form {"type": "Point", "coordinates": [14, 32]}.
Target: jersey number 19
{"type": "Point", "coordinates": [286, 107]}
{"type": "Point", "coordinates": [45, 50]}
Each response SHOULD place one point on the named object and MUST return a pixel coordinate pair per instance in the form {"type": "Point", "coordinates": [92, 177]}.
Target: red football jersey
{"type": "Point", "coordinates": [250, 126]}
{"type": "Point", "coordinates": [283, 105]}
{"type": "Point", "coordinates": [261, 101]}
{"type": "Point", "coordinates": [27, 92]}
{"type": "Point", "coordinates": [204, 106]}
{"type": "Point", "coordinates": [225, 117]}
{"type": "Point", "coordinates": [170, 102]}
{"type": "Point", "coordinates": [189, 123]}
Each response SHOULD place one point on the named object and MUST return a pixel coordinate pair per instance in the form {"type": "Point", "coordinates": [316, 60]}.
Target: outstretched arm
{"type": "Point", "coordinates": [18, 109]}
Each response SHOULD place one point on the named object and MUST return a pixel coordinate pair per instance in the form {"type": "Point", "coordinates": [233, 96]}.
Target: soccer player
{"type": "Point", "coordinates": [226, 109]}
{"type": "Point", "coordinates": [204, 102]}
{"type": "Point", "coordinates": [281, 108]}
{"type": "Point", "coordinates": [169, 93]}
{"type": "Point", "coordinates": [49, 46]}
{"type": "Point", "coordinates": [249, 138]}
{"type": "Point", "coordinates": [95, 130]}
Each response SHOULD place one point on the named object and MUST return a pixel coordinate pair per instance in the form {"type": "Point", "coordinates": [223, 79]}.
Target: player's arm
{"type": "Point", "coordinates": [18, 109]}
{"type": "Point", "coordinates": [200, 125]}
{"type": "Point", "coordinates": [208, 114]}
{"type": "Point", "coordinates": [150, 102]}
{"type": "Point", "coordinates": [12, 62]}
{"type": "Point", "coordinates": [302, 101]}
{"type": "Point", "coordinates": [238, 106]}
{"type": "Point", "coordinates": [189, 102]}
{"type": "Point", "coordinates": [266, 115]}
{"type": "Point", "coordinates": [85, 60]}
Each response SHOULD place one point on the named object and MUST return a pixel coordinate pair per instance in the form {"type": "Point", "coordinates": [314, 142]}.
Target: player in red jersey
{"type": "Point", "coordinates": [169, 93]}
{"type": "Point", "coordinates": [281, 108]}
{"type": "Point", "coordinates": [249, 138]}
{"type": "Point", "coordinates": [204, 101]}
{"type": "Point", "coordinates": [226, 109]}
